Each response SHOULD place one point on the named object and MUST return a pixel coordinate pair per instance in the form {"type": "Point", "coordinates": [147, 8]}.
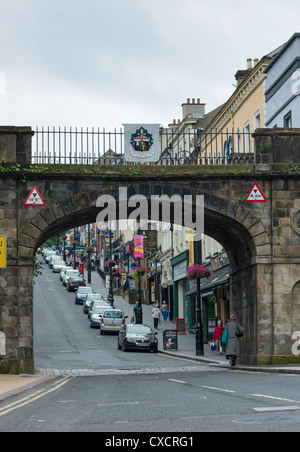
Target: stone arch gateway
{"type": "Point", "coordinates": [263, 245]}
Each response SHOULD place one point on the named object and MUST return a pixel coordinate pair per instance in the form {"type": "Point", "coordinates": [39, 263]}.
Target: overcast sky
{"type": "Point", "coordinates": [101, 63]}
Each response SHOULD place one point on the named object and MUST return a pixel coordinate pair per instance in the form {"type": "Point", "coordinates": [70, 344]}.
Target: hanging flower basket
{"type": "Point", "coordinates": [198, 271]}
{"type": "Point", "coordinates": [64, 237]}
{"type": "Point", "coordinates": [110, 263]}
{"type": "Point", "coordinates": [89, 248]}
{"type": "Point", "coordinates": [139, 272]}
{"type": "Point", "coordinates": [75, 243]}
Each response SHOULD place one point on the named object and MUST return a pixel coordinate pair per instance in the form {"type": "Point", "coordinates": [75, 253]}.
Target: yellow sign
{"type": "Point", "coordinates": [2, 251]}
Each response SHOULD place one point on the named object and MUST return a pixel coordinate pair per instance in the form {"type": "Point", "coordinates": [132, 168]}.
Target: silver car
{"type": "Point", "coordinates": [96, 315]}
{"type": "Point", "coordinates": [58, 266]}
{"type": "Point", "coordinates": [95, 303]}
{"type": "Point", "coordinates": [112, 321]}
{"type": "Point", "coordinates": [89, 299]}
{"type": "Point", "coordinates": [67, 275]}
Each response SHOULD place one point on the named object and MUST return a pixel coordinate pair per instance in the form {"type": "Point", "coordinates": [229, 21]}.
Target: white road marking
{"type": "Point", "coordinates": [277, 408]}
{"type": "Point", "coordinates": [178, 381]}
{"type": "Point", "coordinates": [275, 398]}
{"type": "Point", "coordinates": [219, 389]}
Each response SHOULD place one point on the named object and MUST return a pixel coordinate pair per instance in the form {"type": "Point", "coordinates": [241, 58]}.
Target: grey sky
{"type": "Point", "coordinates": [103, 63]}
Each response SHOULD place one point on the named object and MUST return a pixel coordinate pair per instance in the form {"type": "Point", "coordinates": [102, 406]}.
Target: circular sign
{"type": "Point", "coordinates": [133, 266]}
{"type": "Point", "coordinates": [296, 222]}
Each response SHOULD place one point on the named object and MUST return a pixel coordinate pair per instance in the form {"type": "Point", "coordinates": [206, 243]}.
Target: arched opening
{"type": "Point", "coordinates": [229, 232]}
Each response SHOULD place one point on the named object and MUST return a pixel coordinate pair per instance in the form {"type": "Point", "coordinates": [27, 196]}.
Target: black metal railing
{"type": "Point", "coordinates": [99, 147]}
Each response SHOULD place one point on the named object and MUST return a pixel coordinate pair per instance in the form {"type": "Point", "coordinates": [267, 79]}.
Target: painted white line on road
{"type": "Point", "coordinates": [275, 398]}
{"type": "Point", "coordinates": [219, 389]}
{"type": "Point", "coordinates": [277, 408]}
{"type": "Point", "coordinates": [178, 381]}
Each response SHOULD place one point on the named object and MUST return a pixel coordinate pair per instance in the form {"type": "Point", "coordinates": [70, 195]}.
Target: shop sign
{"type": "Point", "coordinates": [180, 271]}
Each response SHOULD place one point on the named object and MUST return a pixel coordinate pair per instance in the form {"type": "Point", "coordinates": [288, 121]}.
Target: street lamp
{"type": "Point", "coordinates": [198, 272]}
{"type": "Point", "coordinates": [89, 256]}
{"type": "Point", "coordinates": [111, 292]}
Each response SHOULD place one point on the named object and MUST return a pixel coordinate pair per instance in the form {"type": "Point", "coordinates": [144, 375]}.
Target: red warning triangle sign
{"type": "Point", "coordinates": [256, 195]}
{"type": "Point", "coordinates": [34, 199]}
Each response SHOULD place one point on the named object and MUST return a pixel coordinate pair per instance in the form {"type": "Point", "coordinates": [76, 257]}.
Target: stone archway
{"type": "Point", "coordinates": [232, 225]}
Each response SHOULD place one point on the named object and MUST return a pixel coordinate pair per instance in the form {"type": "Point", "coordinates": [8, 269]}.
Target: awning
{"type": "Point", "coordinates": [219, 278]}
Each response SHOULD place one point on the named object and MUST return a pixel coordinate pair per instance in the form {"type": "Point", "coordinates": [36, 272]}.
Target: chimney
{"type": "Point", "coordinates": [243, 73]}
{"type": "Point", "coordinates": [193, 109]}
{"type": "Point", "coordinates": [255, 61]}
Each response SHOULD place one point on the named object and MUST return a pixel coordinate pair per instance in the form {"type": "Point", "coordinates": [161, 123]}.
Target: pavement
{"type": "Point", "coordinates": [14, 384]}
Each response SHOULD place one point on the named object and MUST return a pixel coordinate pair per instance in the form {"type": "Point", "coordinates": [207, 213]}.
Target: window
{"type": "Point", "coordinates": [287, 120]}
{"type": "Point", "coordinates": [247, 138]}
{"type": "Point", "coordinates": [257, 123]}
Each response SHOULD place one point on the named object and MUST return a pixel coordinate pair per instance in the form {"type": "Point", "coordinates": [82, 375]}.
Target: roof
{"type": "Point", "coordinates": [276, 54]}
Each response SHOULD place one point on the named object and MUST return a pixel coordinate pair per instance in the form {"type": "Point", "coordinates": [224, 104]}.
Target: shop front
{"type": "Point", "coordinates": [180, 286]}
{"type": "Point", "coordinates": [214, 301]}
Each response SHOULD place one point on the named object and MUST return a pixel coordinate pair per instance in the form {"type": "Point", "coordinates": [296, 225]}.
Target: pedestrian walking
{"type": "Point", "coordinates": [233, 347]}
{"type": "Point", "coordinates": [218, 333]}
{"type": "Point", "coordinates": [165, 311]}
{"type": "Point", "coordinates": [156, 316]}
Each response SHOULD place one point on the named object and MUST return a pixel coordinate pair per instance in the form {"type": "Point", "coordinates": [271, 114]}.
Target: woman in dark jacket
{"type": "Point", "coordinates": [233, 347]}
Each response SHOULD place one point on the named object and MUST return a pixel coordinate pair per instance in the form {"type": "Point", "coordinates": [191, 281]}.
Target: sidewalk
{"type": "Point", "coordinates": [14, 384]}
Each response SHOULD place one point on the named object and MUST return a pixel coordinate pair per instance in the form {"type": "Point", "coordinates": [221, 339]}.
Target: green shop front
{"type": "Point", "coordinates": [181, 286]}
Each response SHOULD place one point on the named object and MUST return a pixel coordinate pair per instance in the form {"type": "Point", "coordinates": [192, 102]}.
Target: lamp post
{"type": "Point", "coordinates": [139, 312]}
{"type": "Point", "coordinates": [110, 292]}
{"type": "Point", "coordinates": [89, 256]}
{"type": "Point", "coordinates": [199, 324]}
{"type": "Point", "coordinates": [198, 272]}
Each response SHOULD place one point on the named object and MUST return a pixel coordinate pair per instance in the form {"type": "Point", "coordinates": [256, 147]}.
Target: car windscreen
{"type": "Point", "coordinates": [138, 330]}
{"type": "Point", "coordinates": [113, 314]}
{"type": "Point", "coordinates": [99, 310]}
{"type": "Point", "coordinates": [95, 296]}
{"type": "Point", "coordinates": [71, 272]}
{"type": "Point", "coordinates": [84, 290]}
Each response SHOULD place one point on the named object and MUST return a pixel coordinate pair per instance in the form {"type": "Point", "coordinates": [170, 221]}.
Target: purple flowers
{"type": "Point", "coordinates": [110, 263]}
{"type": "Point", "coordinates": [139, 272]}
{"type": "Point", "coordinates": [198, 271]}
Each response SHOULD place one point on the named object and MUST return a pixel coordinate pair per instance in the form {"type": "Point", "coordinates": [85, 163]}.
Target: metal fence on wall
{"type": "Point", "coordinates": [99, 147]}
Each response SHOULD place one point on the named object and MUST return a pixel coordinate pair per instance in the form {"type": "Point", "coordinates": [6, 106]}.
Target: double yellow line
{"type": "Point", "coordinates": [31, 398]}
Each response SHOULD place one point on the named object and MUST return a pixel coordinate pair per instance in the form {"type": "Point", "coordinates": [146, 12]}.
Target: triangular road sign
{"type": "Point", "coordinates": [256, 195]}
{"type": "Point", "coordinates": [34, 199]}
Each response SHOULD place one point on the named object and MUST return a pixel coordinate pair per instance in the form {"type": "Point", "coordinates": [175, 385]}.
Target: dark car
{"type": "Point", "coordinates": [82, 293]}
{"type": "Point", "coordinates": [137, 337]}
{"type": "Point", "coordinates": [74, 282]}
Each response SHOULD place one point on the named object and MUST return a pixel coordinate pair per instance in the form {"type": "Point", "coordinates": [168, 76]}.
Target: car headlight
{"type": "Point", "coordinates": [130, 339]}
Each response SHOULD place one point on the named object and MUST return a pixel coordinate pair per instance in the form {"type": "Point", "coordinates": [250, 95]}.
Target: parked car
{"type": "Point", "coordinates": [96, 315]}
{"type": "Point", "coordinates": [137, 337]}
{"type": "Point", "coordinates": [63, 271]}
{"type": "Point", "coordinates": [112, 321]}
{"type": "Point", "coordinates": [53, 259]}
{"type": "Point", "coordinates": [95, 303]}
{"type": "Point", "coordinates": [74, 282]}
{"type": "Point", "coordinates": [82, 293]}
{"type": "Point", "coordinates": [89, 299]}
{"type": "Point", "coordinates": [67, 274]}
{"type": "Point", "coordinates": [58, 266]}
{"type": "Point", "coordinates": [97, 300]}
{"type": "Point", "coordinates": [48, 255]}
